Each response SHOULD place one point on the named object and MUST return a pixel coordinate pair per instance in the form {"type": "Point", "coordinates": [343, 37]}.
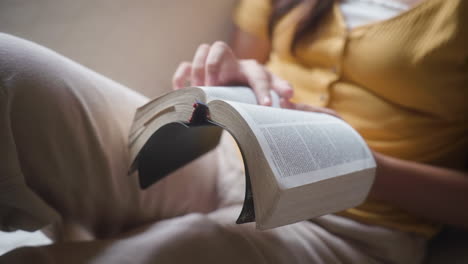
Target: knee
{"type": "Point", "coordinates": [24, 63]}
{"type": "Point", "coordinates": [30, 75]}
{"type": "Point", "coordinates": [16, 55]}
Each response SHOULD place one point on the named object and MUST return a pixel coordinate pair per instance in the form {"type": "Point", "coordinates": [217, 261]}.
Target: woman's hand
{"type": "Point", "coordinates": [216, 65]}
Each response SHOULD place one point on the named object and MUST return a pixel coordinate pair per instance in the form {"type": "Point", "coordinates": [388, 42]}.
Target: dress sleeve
{"type": "Point", "coordinates": [252, 16]}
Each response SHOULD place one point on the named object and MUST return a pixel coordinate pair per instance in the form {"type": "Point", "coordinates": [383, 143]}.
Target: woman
{"type": "Point", "coordinates": [396, 71]}
{"type": "Point", "coordinates": [64, 128]}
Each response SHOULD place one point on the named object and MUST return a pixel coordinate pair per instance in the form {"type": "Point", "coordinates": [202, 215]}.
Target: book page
{"type": "Point", "coordinates": [305, 147]}
{"type": "Point", "coordinates": [236, 93]}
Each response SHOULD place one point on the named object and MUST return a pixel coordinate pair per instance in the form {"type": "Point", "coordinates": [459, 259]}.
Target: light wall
{"type": "Point", "coordinates": [135, 42]}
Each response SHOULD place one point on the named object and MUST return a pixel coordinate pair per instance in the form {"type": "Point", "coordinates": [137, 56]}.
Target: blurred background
{"type": "Point", "coordinates": [138, 43]}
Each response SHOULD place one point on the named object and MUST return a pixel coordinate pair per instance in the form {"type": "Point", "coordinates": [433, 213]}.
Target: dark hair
{"type": "Point", "coordinates": [316, 9]}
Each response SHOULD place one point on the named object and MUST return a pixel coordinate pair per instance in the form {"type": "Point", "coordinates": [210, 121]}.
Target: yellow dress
{"type": "Point", "coordinates": [402, 83]}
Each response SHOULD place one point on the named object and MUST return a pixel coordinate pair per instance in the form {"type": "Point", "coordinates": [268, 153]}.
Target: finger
{"type": "Point", "coordinates": [181, 75]}
{"type": "Point", "coordinates": [285, 103]}
{"type": "Point", "coordinates": [282, 87]}
{"type": "Point", "coordinates": [260, 81]}
{"type": "Point", "coordinates": [219, 54]}
{"type": "Point", "coordinates": [198, 65]}
{"type": "Point", "coordinates": [317, 109]}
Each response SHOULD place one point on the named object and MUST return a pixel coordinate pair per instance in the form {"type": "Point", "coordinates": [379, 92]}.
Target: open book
{"type": "Point", "coordinates": [298, 165]}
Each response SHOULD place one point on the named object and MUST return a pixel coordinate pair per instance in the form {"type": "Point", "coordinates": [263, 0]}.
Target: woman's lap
{"type": "Point", "coordinates": [67, 131]}
{"type": "Point", "coordinates": [213, 238]}
{"type": "Point", "coordinates": [69, 126]}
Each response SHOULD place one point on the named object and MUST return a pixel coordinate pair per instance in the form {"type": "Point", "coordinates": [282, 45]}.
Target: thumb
{"type": "Point", "coordinates": [285, 103]}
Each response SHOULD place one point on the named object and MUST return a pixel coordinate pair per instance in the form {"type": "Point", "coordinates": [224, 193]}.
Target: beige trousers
{"type": "Point", "coordinates": [63, 164]}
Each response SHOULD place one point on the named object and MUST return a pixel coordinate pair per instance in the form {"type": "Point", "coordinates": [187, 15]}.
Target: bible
{"type": "Point", "coordinates": [298, 165]}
